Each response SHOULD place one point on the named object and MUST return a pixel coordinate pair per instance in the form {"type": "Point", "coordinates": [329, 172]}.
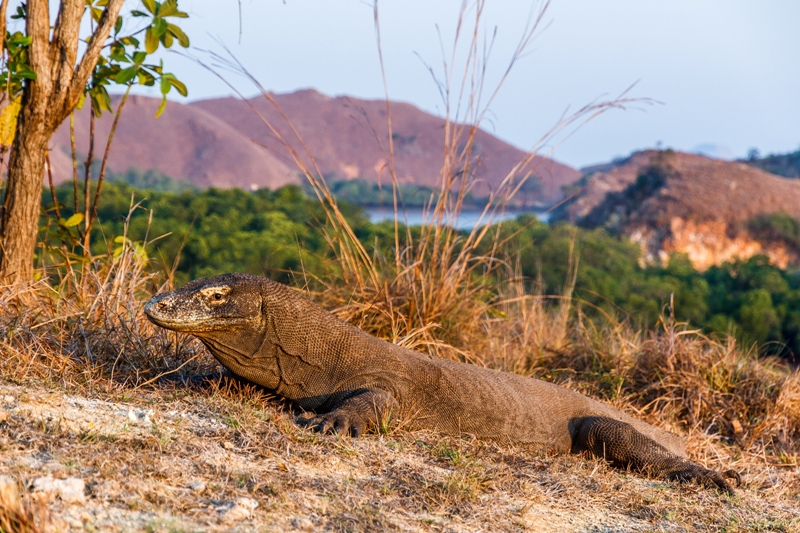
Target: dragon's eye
{"type": "Point", "coordinates": [217, 296]}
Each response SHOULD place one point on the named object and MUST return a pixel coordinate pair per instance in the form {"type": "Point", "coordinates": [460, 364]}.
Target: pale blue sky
{"type": "Point", "coordinates": [728, 71]}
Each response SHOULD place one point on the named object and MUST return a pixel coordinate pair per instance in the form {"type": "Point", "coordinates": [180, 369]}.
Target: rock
{"type": "Point", "coordinates": [237, 511]}
{"type": "Point", "coordinates": [70, 490]}
{"type": "Point", "coordinates": [3, 415]}
{"type": "Point", "coordinates": [197, 486]}
{"type": "Point", "coordinates": [140, 416]}
{"type": "Point", "coordinates": [302, 523]}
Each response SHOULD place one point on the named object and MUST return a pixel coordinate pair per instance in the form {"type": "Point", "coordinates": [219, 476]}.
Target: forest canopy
{"type": "Point", "coordinates": [279, 234]}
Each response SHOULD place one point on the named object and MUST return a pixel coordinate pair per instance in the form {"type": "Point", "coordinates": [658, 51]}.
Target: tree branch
{"type": "Point", "coordinates": [37, 26]}
{"type": "Point", "coordinates": [64, 46]}
{"type": "Point", "coordinates": [89, 60]}
{"type": "Point", "coordinates": [3, 9]}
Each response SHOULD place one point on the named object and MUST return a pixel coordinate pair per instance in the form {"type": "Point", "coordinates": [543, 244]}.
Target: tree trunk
{"type": "Point", "coordinates": [23, 197]}
{"type": "Point", "coordinates": [46, 102]}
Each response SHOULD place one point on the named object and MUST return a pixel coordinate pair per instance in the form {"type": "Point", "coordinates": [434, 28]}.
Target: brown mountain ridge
{"type": "Point", "coordinates": [222, 142]}
{"type": "Point", "coordinates": [677, 202]}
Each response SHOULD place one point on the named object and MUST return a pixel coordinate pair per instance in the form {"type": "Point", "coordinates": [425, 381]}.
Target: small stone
{"type": "Point", "coordinates": [197, 486]}
{"type": "Point", "coordinates": [3, 415]}
{"type": "Point", "coordinates": [737, 426]}
{"type": "Point", "coordinates": [227, 445]}
{"type": "Point", "coordinates": [237, 511]}
{"type": "Point", "coordinates": [53, 466]}
{"type": "Point", "coordinates": [9, 399]}
{"type": "Point", "coordinates": [70, 490]}
{"type": "Point", "coordinates": [139, 417]}
{"type": "Point", "coordinates": [303, 523]}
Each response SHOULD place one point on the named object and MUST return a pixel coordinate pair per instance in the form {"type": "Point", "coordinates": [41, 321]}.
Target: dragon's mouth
{"type": "Point", "coordinates": [159, 311]}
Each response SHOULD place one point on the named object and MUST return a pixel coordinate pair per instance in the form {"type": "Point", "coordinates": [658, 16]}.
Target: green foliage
{"type": "Point", "coordinates": [17, 69]}
{"type": "Point", "coordinates": [125, 63]}
{"type": "Point", "coordinates": [756, 301]}
{"type": "Point", "coordinates": [367, 193]}
{"type": "Point", "coordinates": [617, 207]}
{"type": "Point", "coordinates": [274, 233]}
{"type": "Point", "coordinates": [280, 234]}
{"type": "Point", "coordinates": [777, 228]}
{"type": "Point", "coordinates": [151, 180]}
{"type": "Point", "coordinates": [786, 165]}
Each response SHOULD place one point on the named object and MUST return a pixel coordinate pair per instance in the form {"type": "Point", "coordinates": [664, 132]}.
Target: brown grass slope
{"type": "Point", "coordinates": [184, 143]}
{"type": "Point", "coordinates": [77, 399]}
{"type": "Point", "coordinates": [701, 206]}
{"type": "Point", "coordinates": [347, 137]}
{"type": "Point", "coordinates": [210, 143]}
{"type": "Point", "coordinates": [699, 186]}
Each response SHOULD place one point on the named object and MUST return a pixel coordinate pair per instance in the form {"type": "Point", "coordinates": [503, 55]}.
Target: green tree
{"type": "Point", "coordinates": [50, 79]}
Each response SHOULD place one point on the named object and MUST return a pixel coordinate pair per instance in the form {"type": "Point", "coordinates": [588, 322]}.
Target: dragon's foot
{"type": "Point", "coordinates": [706, 477]}
{"type": "Point", "coordinates": [339, 422]}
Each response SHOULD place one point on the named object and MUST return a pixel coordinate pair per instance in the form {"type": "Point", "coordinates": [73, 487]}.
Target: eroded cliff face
{"type": "Point", "coordinates": [708, 209]}
{"type": "Point", "coordinates": [706, 243]}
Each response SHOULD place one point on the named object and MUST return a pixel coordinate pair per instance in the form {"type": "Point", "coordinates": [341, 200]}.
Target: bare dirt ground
{"type": "Point", "coordinates": [181, 459]}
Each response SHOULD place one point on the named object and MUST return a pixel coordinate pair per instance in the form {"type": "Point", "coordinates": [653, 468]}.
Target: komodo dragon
{"type": "Point", "coordinates": [268, 334]}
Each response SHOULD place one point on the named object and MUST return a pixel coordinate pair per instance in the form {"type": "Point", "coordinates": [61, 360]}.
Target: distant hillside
{"type": "Point", "coordinates": [712, 210]}
{"type": "Point", "coordinates": [185, 143]}
{"type": "Point", "coordinates": [223, 142]}
{"type": "Point", "coordinates": [786, 165]}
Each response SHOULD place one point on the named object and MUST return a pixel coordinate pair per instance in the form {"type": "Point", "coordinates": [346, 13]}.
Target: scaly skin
{"type": "Point", "coordinates": [268, 334]}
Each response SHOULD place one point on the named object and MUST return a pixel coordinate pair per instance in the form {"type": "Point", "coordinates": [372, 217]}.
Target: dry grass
{"type": "Point", "coordinates": [87, 336]}
{"type": "Point", "coordinates": [81, 330]}
{"type": "Point", "coordinates": [18, 515]}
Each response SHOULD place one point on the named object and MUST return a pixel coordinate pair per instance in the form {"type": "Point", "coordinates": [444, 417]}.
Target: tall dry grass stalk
{"type": "Point", "coordinates": [438, 282]}
{"type": "Point", "coordinates": [455, 294]}
{"type": "Point", "coordinates": [440, 290]}
{"type": "Point", "coordinates": [84, 324]}
{"type": "Point", "coordinates": [21, 515]}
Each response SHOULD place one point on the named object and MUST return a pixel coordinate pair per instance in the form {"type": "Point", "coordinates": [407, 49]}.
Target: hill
{"type": "Point", "coordinates": [786, 165]}
{"type": "Point", "coordinates": [223, 142]}
{"type": "Point", "coordinates": [669, 201]}
{"type": "Point", "coordinates": [184, 143]}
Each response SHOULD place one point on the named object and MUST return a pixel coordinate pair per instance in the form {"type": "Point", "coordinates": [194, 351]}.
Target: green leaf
{"type": "Point", "coordinates": [19, 39]}
{"type": "Point", "coordinates": [146, 79]}
{"type": "Point", "coordinates": [150, 41]}
{"type": "Point", "coordinates": [137, 13]}
{"type": "Point", "coordinates": [150, 5]}
{"type": "Point", "coordinates": [161, 107]}
{"type": "Point", "coordinates": [165, 84]}
{"type": "Point", "coordinates": [117, 26]}
{"type": "Point", "coordinates": [74, 220]}
{"type": "Point", "coordinates": [26, 73]}
{"type": "Point", "coordinates": [168, 8]}
{"type": "Point", "coordinates": [131, 41]}
{"type": "Point", "coordinates": [159, 26]}
{"type": "Point", "coordinates": [179, 86]}
{"type": "Point", "coordinates": [139, 57]}
{"type": "Point", "coordinates": [96, 14]}
{"type": "Point", "coordinates": [167, 40]}
{"type": "Point", "coordinates": [120, 239]}
{"type": "Point", "coordinates": [178, 33]}
{"type": "Point", "coordinates": [126, 75]}
{"type": "Point", "coordinates": [117, 53]}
